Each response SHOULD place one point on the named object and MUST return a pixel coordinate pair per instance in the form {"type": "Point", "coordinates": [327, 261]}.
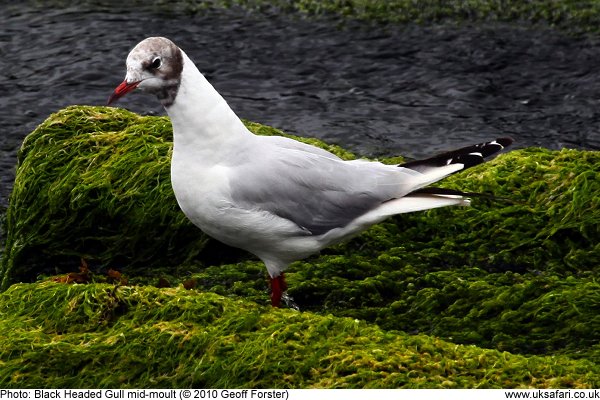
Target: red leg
{"type": "Point", "coordinates": [278, 286]}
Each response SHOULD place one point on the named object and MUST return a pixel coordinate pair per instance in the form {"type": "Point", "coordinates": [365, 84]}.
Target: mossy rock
{"type": "Point", "coordinates": [570, 16]}
{"type": "Point", "coordinates": [94, 183]}
{"type": "Point", "coordinates": [103, 336]}
{"type": "Point", "coordinates": [517, 276]}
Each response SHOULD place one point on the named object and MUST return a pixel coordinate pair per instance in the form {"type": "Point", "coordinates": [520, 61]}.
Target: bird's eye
{"type": "Point", "coordinates": [156, 63]}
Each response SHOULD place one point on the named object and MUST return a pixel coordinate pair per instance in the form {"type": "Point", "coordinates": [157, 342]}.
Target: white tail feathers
{"type": "Point", "coordinates": [420, 202]}
{"type": "Point", "coordinates": [410, 203]}
{"type": "Point", "coordinates": [435, 174]}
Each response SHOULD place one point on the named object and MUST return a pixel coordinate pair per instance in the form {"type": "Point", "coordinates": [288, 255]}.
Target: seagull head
{"type": "Point", "coordinates": [154, 66]}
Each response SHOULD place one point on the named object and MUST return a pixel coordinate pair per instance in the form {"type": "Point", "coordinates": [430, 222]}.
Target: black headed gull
{"type": "Point", "coordinates": [275, 197]}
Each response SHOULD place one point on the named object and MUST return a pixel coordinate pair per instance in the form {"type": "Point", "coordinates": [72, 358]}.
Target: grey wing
{"type": "Point", "coordinates": [317, 192]}
{"type": "Point", "coordinates": [291, 144]}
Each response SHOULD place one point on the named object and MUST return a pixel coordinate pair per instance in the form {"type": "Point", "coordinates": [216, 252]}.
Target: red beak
{"type": "Point", "coordinates": [122, 90]}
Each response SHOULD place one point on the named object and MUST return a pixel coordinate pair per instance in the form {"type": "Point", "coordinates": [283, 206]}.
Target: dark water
{"type": "Point", "coordinates": [407, 90]}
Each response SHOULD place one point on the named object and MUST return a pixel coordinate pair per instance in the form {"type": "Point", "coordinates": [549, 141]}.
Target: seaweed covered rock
{"type": "Point", "coordinates": [94, 183]}
{"type": "Point", "coordinates": [571, 16]}
{"type": "Point", "coordinates": [98, 335]}
{"type": "Point", "coordinates": [519, 275]}
{"type": "Point", "coordinates": [516, 275]}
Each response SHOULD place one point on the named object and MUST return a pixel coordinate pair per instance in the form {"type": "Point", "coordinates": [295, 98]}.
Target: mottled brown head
{"type": "Point", "coordinates": [153, 66]}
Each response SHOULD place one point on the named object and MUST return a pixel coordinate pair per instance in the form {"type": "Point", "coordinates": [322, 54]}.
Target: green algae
{"type": "Point", "coordinates": [79, 164]}
{"type": "Point", "coordinates": [518, 277]}
{"type": "Point", "coordinates": [99, 335]}
{"type": "Point", "coordinates": [571, 16]}
{"type": "Point", "coordinates": [94, 183]}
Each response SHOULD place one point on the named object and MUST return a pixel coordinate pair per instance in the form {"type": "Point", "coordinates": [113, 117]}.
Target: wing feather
{"type": "Point", "coordinates": [315, 191]}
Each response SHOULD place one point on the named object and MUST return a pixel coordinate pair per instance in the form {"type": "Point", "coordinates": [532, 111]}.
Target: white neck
{"type": "Point", "coordinates": [201, 118]}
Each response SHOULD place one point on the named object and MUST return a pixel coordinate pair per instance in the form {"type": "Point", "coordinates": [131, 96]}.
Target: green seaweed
{"type": "Point", "coordinates": [516, 276]}
{"type": "Point", "coordinates": [571, 16]}
{"type": "Point", "coordinates": [94, 183]}
{"type": "Point", "coordinates": [56, 335]}
{"type": "Point", "coordinates": [81, 163]}
{"type": "Point", "coordinates": [574, 17]}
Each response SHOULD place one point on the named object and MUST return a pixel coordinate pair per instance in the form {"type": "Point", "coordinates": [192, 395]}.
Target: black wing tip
{"type": "Point", "coordinates": [468, 160]}
{"type": "Point", "coordinates": [469, 155]}
{"type": "Point", "coordinates": [505, 141]}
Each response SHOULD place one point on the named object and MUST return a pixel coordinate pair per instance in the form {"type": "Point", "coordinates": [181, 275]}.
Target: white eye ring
{"type": "Point", "coordinates": [156, 63]}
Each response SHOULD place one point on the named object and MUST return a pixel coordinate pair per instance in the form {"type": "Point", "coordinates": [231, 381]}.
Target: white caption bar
{"type": "Point", "coordinates": [297, 394]}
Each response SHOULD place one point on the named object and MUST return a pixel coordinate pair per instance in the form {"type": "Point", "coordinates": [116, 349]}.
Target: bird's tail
{"type": "Point", "coordinates": [433, 169]}
{"type": "Point", "coordinates": [435, 191]}
{"type": "Point", "coordinates": [440, 166]}
{"type": "Point", "coordinates": [468, 156]}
